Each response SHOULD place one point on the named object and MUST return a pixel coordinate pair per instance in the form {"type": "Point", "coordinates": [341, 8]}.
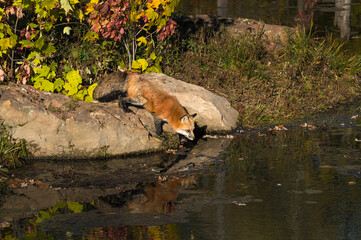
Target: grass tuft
{"type": "Point", "coordinates": [12, 152]}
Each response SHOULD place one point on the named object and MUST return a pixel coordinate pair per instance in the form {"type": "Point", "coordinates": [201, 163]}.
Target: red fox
{"type": "Point", "coordinates": [133, 89]}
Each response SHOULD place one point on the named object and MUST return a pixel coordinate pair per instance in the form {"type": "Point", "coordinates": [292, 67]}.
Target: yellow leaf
{"type": "Point", "coordinates": [142, 40]}
{"type": "Point", "coordinates": [81, 15]}
{"type": "Point", "coordinates": [143, 63]}
{"type": "Point", "coordinates": [90, 6]}
{"type": "Point", "coordinates": [155, 3]}
{"type": "Point", "coordinates": [141, 14]}
{"type": "Point", "coordinates": [136, 65]}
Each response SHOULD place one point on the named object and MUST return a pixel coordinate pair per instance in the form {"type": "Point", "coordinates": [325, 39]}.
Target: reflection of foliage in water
{"type": "Point", "coordinates": [166, 232]}
{"type": "Point", "coordinates": [33, 229]}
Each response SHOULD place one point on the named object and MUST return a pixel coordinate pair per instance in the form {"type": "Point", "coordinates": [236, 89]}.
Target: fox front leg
{"type": "Point", "coordinates": [158, 123]}
{"type": "Point", "coordinates": [123, 104]}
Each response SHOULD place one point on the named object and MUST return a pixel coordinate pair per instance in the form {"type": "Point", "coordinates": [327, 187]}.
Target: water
{"type": "Point", "coordinates": [294, 184]}
{"type": "Point", "coordinates": [341, 18]}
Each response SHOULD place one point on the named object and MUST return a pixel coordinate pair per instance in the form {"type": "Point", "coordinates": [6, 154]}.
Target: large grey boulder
{"type": "Point", "coordinates": [213, 111]}
{"type": "Point", "coordinates": [54, 125]}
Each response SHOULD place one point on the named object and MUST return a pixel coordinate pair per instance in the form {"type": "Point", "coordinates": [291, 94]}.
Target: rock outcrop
{"type": "Point", "coordinates": [54, 125]}
{"type": "Point", "coordinates": [213, 111]}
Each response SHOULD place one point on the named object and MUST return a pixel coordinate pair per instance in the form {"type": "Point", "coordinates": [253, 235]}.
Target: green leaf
{"type": "Point", "coordinates": [35, 58]}
{"type": "Point", "coordinates": [37, 82]}
{"type": "Point", "coordinates": [88, 99]}
{"type": "Point", "coordinates": [26, 43]}
{"type": "Point", "coordinates": [151, 14]}
{"type": "Point", "coordinates": [80, 94]}
{"type": "Point", "coordinates": [13, 40]}
{"type": "Point", "coordinates": [91, 89]}
{"type": "Point", "coordinates": [5, 43]}
{"type": "Point", "coordinates": [47, 26]}
{"type": "Point", "coordinates": [91, 36]}
{"type": "Point", "coordinates": [155, 69]}
{"type": "Point", "coordinates": [49, 4]}
{"type": "Point", "coordinates": [75, 207]}
{"type": "Point", "coordinates": [33, 25]}
{"type": "Point", "coordinates": [71, 89]}
{"type": "Point", "coordinates": [43, 215]}
{"type": "Point", "coordinates": [49, 50]}
{"type": "Point", "coordinates": [153, 56]}
{"type": "Point", "coordinates": [66, 6]}
{"type": "Point", "coordinates": [39, 43]}
{"type": "Point", "coordinates": [43, 71]}
{"type": "Point", "coordinates": [32, 54]}
{"type": "Point", "coordinates": [48, 86]}
{"type": "Point", "coordinates": [66, 30]}
{"type": "Point", "coordinates": [58, 84]}
{"type": "Point", "coordinates": [162, 23]}
{"type": "Point", "coordinates": [74, 77]}
{"type": "Point", "coordinates": [74, 80]}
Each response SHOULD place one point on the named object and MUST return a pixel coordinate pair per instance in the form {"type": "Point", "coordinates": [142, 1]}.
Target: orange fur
{"type": "Point", "coordinates": [135, 90]}
{"type": "Point", "coordinates": [163, 105]}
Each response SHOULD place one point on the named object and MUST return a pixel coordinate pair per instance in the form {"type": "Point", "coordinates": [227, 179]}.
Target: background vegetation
{"type": "Point", "coordinates": [304, 75]}
{"type": "Point", "coordinates": [65, 46]}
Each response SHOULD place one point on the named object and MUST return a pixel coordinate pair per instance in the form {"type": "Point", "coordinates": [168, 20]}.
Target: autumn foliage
{"type": "Point", "coordinates": [30, 31]}
{"type": "Point", "coordinates": [134, 23]}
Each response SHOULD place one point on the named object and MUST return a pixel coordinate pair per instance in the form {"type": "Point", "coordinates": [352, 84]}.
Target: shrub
{"type": "Point", "coordinates": [33, 33]}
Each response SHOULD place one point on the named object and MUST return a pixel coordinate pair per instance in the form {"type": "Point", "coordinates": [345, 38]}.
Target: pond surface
{"type": "Point", "coordinates": [342, 18]}
{"type": "Point", "coordinates": [299, 183]}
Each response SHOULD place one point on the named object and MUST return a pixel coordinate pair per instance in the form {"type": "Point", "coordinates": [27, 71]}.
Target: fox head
{"type": "Point", "coordinates": [186, 126]}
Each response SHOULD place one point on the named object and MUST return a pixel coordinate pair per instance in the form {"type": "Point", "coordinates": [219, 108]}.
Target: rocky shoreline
{"type": "Point", "coordinates": [55, 126]}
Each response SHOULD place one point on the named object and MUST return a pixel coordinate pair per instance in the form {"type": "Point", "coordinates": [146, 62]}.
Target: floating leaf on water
{"type": "Point", "coordinates": [304, 125]}
{"type": "Point", "coordinates": [261, 134]}
{"type": "Point", "coordinates": [309, 126]}
{"type": "Point", "coordinates": [278, 128]}
{"type": "Point", "coordinates": [325, 166]}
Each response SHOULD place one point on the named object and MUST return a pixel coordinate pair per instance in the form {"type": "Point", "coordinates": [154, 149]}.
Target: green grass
{"type": "Point", "coordinates": [306, 75]}
{"type": "Point", "coordinates": [13, 153]}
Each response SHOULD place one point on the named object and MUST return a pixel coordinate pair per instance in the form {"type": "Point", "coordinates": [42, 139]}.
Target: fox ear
{"type": "Point", "coordinates": [193, 115]}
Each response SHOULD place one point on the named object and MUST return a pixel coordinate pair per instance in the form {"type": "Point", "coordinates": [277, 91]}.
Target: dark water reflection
{"type": "Point", "coordinates": [302, 196]}
{"type": "Point", "coordinates": [294, 184]}
{"type": "Point", "coordinates": [342, 18]}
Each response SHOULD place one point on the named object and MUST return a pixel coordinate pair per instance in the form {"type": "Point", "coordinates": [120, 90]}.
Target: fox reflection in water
{"type": "Point", "coordinates": [159, 196]}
